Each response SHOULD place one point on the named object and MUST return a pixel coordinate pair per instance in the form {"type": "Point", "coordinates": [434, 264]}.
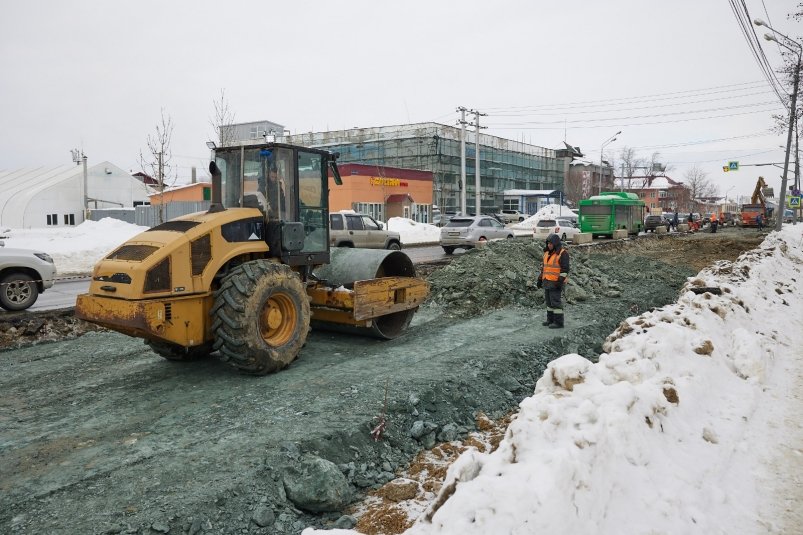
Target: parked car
{"type": "Point", "coordinates": [652, 222]}
{"type": "Point", "coordinates": [563, 227]}
{"type": "Point", "coordinates": [511, 216]}
{"type": "Point", "coordinates": [24, 274]}
{"type": "Point", "coordinates": [348, 229]}
{"type": "Point", "coordinates": [465, 232]}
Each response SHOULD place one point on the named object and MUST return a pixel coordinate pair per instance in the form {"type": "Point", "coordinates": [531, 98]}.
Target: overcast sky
{"type": "Point", "coordinates": [95, 75]}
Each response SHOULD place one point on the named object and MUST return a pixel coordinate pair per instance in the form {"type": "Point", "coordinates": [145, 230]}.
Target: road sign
{"type": "Point", "coordinates": [794, 202]}
{"type": "Point", "coordinates": [726, 168]}
{"type": "Point", "coordinates": [733, 166]}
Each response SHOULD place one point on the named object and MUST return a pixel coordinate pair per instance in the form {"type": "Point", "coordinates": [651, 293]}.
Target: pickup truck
{"type": "Point", "coordinates": [348, 229]}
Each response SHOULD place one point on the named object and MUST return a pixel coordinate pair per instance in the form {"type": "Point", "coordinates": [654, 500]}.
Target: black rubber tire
{"type": "Point", "coordinates": [509, 237]}
{"type": "Point", "coordinates": [563, 237]}
{"type": "Point", "coordinates": [346, 244]}
{"type": "Point", "coordinates": [394, 246]}
{"type": "Point", "coordinates": [18, 291]}
{"type": "Point", "coordinates": [521, 219]}
{"type": "Point", "coordinates": [448, 250]}
{"type": "Point", "coordinates": [179, 353]}
{"type": "Point", "coordinates": [250, 298]}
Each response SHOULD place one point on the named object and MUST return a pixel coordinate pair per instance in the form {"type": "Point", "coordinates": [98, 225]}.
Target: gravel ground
{"type": "Point", "coordinates": [99, 435]}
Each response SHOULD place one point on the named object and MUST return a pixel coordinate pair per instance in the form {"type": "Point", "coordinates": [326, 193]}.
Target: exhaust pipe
{"type": "Point", "coordinates": [217, 202]}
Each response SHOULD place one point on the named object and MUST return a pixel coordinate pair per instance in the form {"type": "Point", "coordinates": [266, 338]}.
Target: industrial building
{"type": "Point", "coordinates": [504, 164]}
{"type": "Point", "coordinates": [59, 196]}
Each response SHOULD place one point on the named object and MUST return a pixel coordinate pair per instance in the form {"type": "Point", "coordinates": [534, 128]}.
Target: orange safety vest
{"type": "Point", "coordinates": [552, 265]}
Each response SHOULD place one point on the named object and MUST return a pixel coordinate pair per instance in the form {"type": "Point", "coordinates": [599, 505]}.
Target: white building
{"type": "Point", "coordinates": [42, 197]}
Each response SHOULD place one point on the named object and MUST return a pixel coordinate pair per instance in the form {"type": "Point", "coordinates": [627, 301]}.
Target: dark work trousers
{"type": "Point", "coordinates": [552, 296]}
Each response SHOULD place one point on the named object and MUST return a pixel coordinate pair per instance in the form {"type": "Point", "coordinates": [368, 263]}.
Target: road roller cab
{"type": "Point", "coordinates": [245, 279]}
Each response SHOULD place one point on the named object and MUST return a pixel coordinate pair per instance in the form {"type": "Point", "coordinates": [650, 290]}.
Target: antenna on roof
{"type": "Point", "coordinates": [76, 156]}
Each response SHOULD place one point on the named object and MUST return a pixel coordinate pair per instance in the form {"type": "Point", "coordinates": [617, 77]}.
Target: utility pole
{"type": "Point", "coordinates": [462, 111]}
{"type": "Point", "coordinates": [86, 182]}
{"type": "Point", "coordinates": [792, 113]}
{"type": "Point", "coordinates": [477, 199]}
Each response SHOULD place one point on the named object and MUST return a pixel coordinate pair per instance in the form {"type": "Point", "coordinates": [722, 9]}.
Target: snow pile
{"type": "Point", "coordinates": [413, 232]}
{"type": "Point", "coordinates": [75, 250]}
{"type": "Point", "coordinates": [549, 211]}
{"type": "Point", "coordinates": [675, 430]}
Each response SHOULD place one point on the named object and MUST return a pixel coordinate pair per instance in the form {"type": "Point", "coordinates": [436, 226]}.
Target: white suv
{"type": "Point", "coordinates": [565, 228]}
{"type": "Point", "coordinates": [24, 274]}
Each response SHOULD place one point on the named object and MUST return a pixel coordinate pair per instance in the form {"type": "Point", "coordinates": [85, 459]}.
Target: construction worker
{"type": "Point", "coordinates": [553, 275]}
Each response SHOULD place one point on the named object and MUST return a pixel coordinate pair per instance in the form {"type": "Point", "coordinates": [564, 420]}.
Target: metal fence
{"type": "Point", "coordinates": [148, 216]}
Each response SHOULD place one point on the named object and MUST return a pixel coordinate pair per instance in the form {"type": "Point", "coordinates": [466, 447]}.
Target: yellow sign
{"type": "Point", "coordinates": [379, 181]}
{"type": "Point", "coordinates": [726, 168]}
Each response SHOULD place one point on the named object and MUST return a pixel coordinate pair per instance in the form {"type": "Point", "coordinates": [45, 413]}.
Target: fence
{"type": "Point", "coordinates": [148, 216]}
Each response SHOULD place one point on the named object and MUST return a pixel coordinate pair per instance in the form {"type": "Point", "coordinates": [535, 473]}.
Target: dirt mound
{"type": "Point", "coordinates": [504, 273]}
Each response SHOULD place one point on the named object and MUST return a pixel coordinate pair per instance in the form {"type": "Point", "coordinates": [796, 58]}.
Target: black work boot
{"type": "Point", "coordinates": [550, 317]}
{"type": "Point", "coordinates": [558, 323]}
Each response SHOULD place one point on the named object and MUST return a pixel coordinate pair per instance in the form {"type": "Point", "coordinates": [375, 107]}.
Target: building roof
{"type": "Point", "coordinates": [347, 169]}
{"type": "Point", "coordinates": [530, 192]}
{"type": "Point", "coordinates": [399, 197]}
{"type": "Point", "coordinates": [183, 186]}
{"type": "Point", "coordinates": [647, 182]}
{"type": "Point", "coordinates": [19, 186]}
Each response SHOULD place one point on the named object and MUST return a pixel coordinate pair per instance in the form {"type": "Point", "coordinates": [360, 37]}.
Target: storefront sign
{"type": "Point", "coordinates": [380, 181]}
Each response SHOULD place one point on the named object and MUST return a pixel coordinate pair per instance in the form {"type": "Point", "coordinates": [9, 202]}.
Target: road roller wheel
{"type": "Point", "coordinates": [260, 318]}
{"type": "Point", "coordinates": [177, 352]}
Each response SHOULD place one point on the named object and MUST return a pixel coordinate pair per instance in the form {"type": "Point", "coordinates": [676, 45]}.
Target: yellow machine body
{"type": "Point", "coordinates": [159, 285]}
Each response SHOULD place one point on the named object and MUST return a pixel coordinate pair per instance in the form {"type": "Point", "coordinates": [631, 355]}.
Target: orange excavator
{"type": "Point", "coordinates": [758, 205]}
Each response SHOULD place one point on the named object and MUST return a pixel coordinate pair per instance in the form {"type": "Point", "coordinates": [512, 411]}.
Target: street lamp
{"type": "Point", "coordinates": [606, 142]}
{"type": "Point", "coordinates": [799, 51]}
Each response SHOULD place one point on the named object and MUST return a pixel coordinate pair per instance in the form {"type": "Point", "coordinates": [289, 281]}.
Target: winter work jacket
{"type": "Point", "coordinates": [556, 264]}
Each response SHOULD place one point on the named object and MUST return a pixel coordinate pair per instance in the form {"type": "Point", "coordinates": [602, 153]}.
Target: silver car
{"type": "Point", "coordinates": [465, 232]}
{"type": "Point", "coordinates": [24, 274]}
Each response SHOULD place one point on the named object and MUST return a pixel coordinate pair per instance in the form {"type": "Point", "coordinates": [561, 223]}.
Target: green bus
{"type": "Point", "coordinates": [601, 214]}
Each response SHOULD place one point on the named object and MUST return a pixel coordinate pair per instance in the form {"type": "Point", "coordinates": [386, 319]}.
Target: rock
{"type": "Point", "coordinates": [428, 441]}
{"type": "Point", "coordinates": [448, 433]}
{"type": "Point", "coordinates": [345, 522]}
{"type": "Point", "coordinates": [160, 527]}
{"type": "Point", "coordinates": [263, 516]}
{"type": "Point", "coordinates": [33, 327]}
{"type": "Point", "coordinates": [417, 430]}
{"type": "Point", "coordinates": [195, 527]}
{"type": "Point", "coordinates": [316, 485]}
{"type": "Point", "coordinates": [414, 399]}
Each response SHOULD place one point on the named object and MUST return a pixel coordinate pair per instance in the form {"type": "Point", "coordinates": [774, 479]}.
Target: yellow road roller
{"type": "Point", "coordinates": [246, 279]}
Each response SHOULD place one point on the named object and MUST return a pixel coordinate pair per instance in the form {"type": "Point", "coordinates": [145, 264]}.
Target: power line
{"type": "Point", "coordinates": [652, 106]}
{"type": "Point", "coordinates": [742, 15]}
{"type": "Point", "coordinates": [631, 117]}
{"type": "Point", "coordinates": [657, 96]}
{"type": "Point", "coordinates": [635, 124]}
{"type": "Point", "coordinates": [703, 142]}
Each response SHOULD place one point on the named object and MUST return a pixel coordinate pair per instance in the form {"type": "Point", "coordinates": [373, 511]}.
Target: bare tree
{"type": "Point", "coordinates": [698, 184]}
{"type": "Point", "coordinates": [223, 117]}
{"type": "Point", "coordinates": [157, 160]}
{"type": "Point", "coordinates": [579, 184]}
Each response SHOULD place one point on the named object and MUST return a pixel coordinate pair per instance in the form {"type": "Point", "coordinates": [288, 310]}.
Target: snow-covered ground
{"type": "Point", "coordinates": [75, 250]}
{"type": "Point", "coordinates": [689, 423]}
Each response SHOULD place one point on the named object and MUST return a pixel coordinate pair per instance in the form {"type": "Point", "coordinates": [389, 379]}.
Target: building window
{"type": "Point", "coordinates": [510, 204]}
{"type": "Point", "coordinates": [420, 213]}
{"type": "Point", "coordinates": [207, 194]}
{"type": "Point", "coordinates": [53, 219]}
{"type": "Point", "coordinates": [662, 193]}
{"type": "Point", "coordinates": [72, 219]}
{"type": "Point", "coordinates": [49, 221]}
{"type": "Point", "coordinates": [373, 209]}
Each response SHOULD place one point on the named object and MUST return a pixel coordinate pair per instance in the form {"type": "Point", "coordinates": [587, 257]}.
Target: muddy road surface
{"type": "Point", "coordinates": [100, 435]}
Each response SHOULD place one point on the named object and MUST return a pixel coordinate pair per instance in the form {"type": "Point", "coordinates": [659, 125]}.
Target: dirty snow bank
{"type": "Point", "coordinates": [675, 430]}
{"type": "Point", "coordinates": [412, 232]}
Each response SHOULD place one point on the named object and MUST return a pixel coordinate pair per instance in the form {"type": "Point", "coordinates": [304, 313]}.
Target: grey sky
{"type": "Point", "coordinates": [95, 74]}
